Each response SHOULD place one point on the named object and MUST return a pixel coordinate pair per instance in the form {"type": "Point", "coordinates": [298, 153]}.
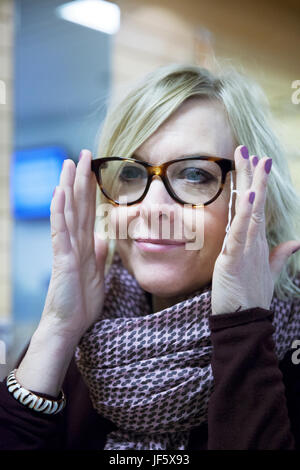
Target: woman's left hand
{"type": "Point", "coordinates": [245, 273]}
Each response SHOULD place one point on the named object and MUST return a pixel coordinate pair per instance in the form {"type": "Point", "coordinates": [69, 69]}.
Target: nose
{"type": "Point", "coordinates": [157, 200]}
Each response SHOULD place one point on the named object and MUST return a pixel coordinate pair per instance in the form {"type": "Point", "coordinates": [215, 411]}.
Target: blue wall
{"type": "Point", "coordinates": [62, 84]}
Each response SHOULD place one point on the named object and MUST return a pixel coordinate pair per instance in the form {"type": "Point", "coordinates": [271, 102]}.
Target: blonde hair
{"type": "Point", "coordinates": [151, 101]}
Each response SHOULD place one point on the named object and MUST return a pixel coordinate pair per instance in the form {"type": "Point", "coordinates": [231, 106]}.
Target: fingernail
{"type": "Point", "coordinates": [80, 155]}
{"type": "Point", "coordinates": [268, 165]}
{"type": "Point", "coordinates": [53, 192]}
{"type": "Point", "coordinates": [244, 152]}
{"type": "Point", "coordinates": [255, 160]}
{"type": "Point", "coordinates": [296, 250]}
{"type": "Point", "coordinates": [251, 197]}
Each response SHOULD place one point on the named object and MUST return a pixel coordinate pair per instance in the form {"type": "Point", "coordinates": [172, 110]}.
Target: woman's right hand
{"type": "Point", "coordinates": [76, 290]}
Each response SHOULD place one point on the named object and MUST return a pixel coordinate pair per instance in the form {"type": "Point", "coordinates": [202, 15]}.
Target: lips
{"type": "Point", "coordinates": [151, 245]}
{"type": "Point", "coordinates": [163, 241]}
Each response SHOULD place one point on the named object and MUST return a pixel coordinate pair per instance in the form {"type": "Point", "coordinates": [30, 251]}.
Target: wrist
{"type": "Point", "coordinates": [46, 361]}
{"type": "Point", "coordinates": [229, 310]}
{"type": "Point", "coordinates": [59, 335]}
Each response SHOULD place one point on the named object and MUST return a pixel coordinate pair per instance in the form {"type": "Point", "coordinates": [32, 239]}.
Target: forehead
{"type": "Point", "coordinates": [198, 127]}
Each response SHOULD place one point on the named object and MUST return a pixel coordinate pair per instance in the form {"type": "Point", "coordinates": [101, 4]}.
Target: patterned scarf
{"type": "Point", "coordinates": [150, 373]}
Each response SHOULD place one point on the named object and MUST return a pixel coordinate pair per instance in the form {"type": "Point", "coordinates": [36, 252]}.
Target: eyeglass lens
{"type": "Point", "coordinates": [193, 181]}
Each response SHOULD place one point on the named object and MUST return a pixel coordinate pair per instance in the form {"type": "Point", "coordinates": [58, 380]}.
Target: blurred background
{"type": "Point", "coordinates": [62, 64]}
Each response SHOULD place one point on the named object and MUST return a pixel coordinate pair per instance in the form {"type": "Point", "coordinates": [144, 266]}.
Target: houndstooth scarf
{"type": "Point", "coordinates": [150, 373]}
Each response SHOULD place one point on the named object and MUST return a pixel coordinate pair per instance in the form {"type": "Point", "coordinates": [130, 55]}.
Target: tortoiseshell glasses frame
{"type": "Point", "coordinates": [225, 165]}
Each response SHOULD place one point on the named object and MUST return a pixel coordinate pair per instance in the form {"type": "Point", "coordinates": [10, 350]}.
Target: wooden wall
{"type": "Point", "coordinates": [261, 36]}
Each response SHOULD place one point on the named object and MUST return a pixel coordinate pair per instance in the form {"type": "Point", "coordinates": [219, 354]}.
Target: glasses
{"type": "Point", "coordinates": [194, 180]}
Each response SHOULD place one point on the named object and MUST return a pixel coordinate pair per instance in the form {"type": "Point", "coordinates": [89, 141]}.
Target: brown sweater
{"type": "Point", "coordinates": [254, 405]}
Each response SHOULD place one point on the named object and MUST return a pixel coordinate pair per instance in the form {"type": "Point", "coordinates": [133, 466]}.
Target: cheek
{"type": "Point", "coordinates": [123, 222]}
{"type": "Point", "coordinates": [214, 227]}
{"type": "Point", "coordinates": [208, 225]}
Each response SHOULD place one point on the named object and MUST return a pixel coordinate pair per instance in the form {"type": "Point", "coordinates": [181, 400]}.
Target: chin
{"type": "Point", "coordinates": [161, 281]}
{"type": "Point", "coordinates": [160, 289]}
{"type": "Point", "coordinates": [164, 275]}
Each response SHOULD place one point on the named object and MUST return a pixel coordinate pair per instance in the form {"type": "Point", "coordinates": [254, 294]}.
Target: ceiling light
{"type": "Point", "coordinates": [96, 14]}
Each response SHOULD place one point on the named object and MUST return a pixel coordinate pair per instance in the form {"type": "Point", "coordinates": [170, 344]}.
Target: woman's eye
{"type": "Point", "coordinates": [195, 175]}
{"type": "Point", "coordinates": [130, 173]}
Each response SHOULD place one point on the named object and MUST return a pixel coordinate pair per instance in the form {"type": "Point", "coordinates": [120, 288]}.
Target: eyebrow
{"type": "Point", "coordinates": [198, 154]}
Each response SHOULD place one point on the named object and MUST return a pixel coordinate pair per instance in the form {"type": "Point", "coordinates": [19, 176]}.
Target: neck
{"type": "Point", "coordinates": [160, 303]}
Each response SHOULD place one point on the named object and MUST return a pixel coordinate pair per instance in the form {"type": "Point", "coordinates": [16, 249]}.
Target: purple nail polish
{"type": "Point", "coordinates": [296, 250]}
{"type": "Point", "coordinates": [255, 160]}
{"type": "Point", "coordinates": [244, 152]}
{"type": "Point", "coordinates": [268, 165]}
{"type": "Point", "coordinates": [251, 197]}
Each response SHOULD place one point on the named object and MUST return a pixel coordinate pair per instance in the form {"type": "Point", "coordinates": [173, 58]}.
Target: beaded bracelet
{"type": "Point", "coordinates": [31, 400]}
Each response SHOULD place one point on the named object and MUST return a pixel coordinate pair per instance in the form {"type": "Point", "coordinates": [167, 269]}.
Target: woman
{"type": "Point", "coordinates": [157, 345]}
